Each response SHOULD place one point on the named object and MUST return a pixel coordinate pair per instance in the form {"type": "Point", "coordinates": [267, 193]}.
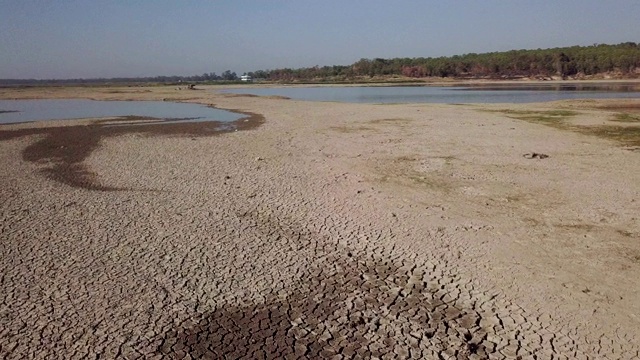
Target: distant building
{"type": "Point", "coordinates": [246, 78]}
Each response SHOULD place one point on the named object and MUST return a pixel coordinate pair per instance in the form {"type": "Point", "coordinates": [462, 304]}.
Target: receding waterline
{"type": "Point", "coordinates": [17, 111]}
{"type": "Point", "coordinates": [443, 95]}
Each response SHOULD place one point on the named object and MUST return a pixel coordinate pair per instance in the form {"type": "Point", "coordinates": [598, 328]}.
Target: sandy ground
{"type": "Point", "coordinates": [329, 230]}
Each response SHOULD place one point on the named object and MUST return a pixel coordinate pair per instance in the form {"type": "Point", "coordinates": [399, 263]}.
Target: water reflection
{"type": "Point", "coordinates": [557, 87]}
{"type": "Point", "coordinates": [450, 95]}
{"type": "Point", "coordinates": [15, 111]}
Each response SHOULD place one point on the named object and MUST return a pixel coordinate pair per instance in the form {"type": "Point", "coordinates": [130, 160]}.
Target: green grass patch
{"type": "Point", "coordinates": [548, 117]}
{"type": "Point", "coordinates": [627, 135]}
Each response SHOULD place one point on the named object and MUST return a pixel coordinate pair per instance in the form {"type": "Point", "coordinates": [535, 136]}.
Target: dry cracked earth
{"type": "Point", "coordinates": [253, 245]}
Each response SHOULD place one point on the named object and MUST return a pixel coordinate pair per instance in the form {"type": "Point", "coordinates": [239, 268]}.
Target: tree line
{"type": "Point", "coordinates": [574, 61]}
{"type": "Point", "coordinates": [226, 76]}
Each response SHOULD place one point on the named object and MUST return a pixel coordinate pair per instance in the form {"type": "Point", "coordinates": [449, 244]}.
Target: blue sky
{"type": "Point", "coordinates": [81, 39]}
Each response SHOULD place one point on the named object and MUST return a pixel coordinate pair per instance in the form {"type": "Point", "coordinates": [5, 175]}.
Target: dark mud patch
{"type": "Point", "coordinates": [63, 149]}
{"type": "Point", "coordinates": [276, 97]}
{"type": "Point", "coordinates": [393, 121]}
{"type": "Point", "coordinates": [240, 95]}
{"type": "Point", "coordinates": [351, 307]}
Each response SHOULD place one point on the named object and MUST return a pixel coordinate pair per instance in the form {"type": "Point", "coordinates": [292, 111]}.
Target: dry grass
{"type": "Point", "coordinates": [434, 183]}
{"type": "Point", "coordinates": [585, 227]}
{"type": "Point", "coordinates": [401, 170]}
{"type": "Point", "coordinates": [625, 233]}
{"type": "Point", "coordinates": [350, 129]}
{"type": "Point", "coordinates": [394, 121]}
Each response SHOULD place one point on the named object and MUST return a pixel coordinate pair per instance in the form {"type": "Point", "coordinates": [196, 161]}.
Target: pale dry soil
{"type": "Point", "coordinates": [330, 231]}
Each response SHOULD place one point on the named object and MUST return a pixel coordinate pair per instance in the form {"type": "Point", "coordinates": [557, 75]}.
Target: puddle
{"type": "Point", "coordinates": [17, 111]}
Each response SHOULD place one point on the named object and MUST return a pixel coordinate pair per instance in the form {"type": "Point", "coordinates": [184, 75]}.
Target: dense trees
{"type": "Point", "coordinates": [227, 75]}
{"type": "Point", "coordinates": [576, 61]}
{"type": "Point", "coordinates": [563, 62]}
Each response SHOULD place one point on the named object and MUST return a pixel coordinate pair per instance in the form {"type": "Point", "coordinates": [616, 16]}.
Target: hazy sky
{"type": "Point", "coordinates": [74, 39]}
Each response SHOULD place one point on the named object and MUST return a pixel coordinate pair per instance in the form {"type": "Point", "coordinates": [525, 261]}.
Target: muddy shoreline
{"type": "Point", "coordinates": [66, 147]}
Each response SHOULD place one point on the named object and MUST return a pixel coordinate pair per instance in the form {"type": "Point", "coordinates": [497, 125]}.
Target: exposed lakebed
{"type": "Point", "coordinates": [62, 149]}
{"type": "Point", "coordinates": [450, 95]}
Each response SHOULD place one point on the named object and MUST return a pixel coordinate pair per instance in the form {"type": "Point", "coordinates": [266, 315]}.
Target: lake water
{"type": "Point", "coordinates": [449, 95]}
{"type": "Point", "coordinates": [34, 110]}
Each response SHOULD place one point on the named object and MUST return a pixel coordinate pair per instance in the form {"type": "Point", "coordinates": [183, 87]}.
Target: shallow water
{"type": "Point", "coordinates": [449, 95]}
{"type": "Point", "coordinates": [36, 110]}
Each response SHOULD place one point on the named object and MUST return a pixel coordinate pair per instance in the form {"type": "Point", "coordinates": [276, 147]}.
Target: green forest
{"type": "Point", "coordinates": [575, 62]}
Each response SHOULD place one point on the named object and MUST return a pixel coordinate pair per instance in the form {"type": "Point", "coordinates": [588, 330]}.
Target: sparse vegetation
{"type": "Point", "coordinates": [626, 117]}
{"type": "Point", "coordinates": [351, 129]}
{"type": "Point", "coordinates": [391, 121]}
{"type": "Point", "coordinates": [626, 135]}
{"type": "Point", "coordinates": [549, 117]}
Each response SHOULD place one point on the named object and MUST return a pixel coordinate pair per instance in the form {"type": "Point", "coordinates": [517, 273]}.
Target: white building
{"type": "Point", "coordinates": [246, 78]}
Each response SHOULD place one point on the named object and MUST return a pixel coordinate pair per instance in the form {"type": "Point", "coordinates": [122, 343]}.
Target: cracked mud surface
{"type": "Point", "coordinates": [300, 239]}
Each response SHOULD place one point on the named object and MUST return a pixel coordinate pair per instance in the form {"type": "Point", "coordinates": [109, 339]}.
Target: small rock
{"type": "Point", "coordinates": [535, 155]}
{"type": "Point", "coordinates": [259, 158]}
